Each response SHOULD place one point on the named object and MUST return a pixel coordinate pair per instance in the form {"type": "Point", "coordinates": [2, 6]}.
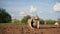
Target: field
{"type": "Point", "coordinates": [25, 29]}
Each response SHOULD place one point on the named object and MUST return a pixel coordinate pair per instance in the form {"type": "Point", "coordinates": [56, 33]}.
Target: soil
{"type": "Point", "coordinates": [25, 29]}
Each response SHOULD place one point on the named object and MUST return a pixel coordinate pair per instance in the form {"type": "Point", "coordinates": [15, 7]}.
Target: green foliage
{"type": "Point", "coordinates": [15, 21]}
{"type": "Point", "coordinates": [50, 22]}
{"type": "Point", "coordinates": [4, 16]}
{"type": "Point", "coordinates": [25, 19]}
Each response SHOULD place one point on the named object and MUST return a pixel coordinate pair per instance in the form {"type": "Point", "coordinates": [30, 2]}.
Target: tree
{"type": "Point", "coordinates": [4, 16]}
{"type": "Point", "coordinates": [58, 19]}
{"type": "Point", "coordinates": [42, 22]}
{"type": "Point", "coordinates": [25, 19]}
{"type": "Point", "coordinates": [50, 21]}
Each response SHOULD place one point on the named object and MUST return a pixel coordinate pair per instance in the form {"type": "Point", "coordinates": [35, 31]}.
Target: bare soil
{"type": "Point", "coordinates": [25, 29]}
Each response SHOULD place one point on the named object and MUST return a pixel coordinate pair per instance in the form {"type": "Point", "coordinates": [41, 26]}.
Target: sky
{"type": "Point", "coordinates": [45, 9]}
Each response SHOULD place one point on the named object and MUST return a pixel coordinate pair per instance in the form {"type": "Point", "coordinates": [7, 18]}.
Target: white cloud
{"type": "Point", "coordinates": [32, 8]}
{"type": "Point", "coordinates": [56, 7]}
{"type": "Point", "coordinates": [22, 13]}
{"type": "Point", "coordinates": [13, 16]}
{"type": "Point", "coordinates": [40, 11]}
{"type": "Point", "coordinates": [30, 14]}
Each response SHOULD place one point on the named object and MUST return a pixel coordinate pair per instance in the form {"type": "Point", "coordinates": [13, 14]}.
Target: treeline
{"type": "Point", "coordinates": [6, 18]}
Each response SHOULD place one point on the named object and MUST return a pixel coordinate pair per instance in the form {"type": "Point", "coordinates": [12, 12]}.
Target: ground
{"type": "Point", "coordinates": [25, 29]}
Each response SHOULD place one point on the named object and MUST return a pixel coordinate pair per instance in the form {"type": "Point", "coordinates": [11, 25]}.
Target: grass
{"type": "Point", "coordinates": [12, 23]}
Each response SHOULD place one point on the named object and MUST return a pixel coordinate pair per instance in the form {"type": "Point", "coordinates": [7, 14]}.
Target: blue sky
{"type": "Point", "coordinates": [46, 9]}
